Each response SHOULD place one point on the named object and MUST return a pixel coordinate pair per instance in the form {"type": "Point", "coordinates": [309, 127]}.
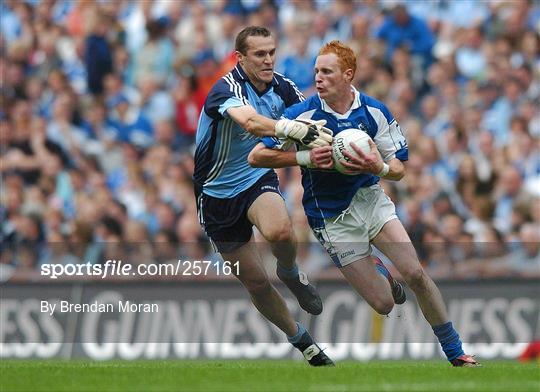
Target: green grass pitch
{"type": "Point", "coordinates": [183, 375]}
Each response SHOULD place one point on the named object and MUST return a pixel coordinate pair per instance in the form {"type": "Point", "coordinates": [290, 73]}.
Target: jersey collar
{"type": "Point", "coordinates": [355, 105]}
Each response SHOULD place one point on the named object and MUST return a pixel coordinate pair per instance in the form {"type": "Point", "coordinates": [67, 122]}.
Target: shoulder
{"type": "Point", "coordinates": [283, 81]}
{"type": "Point", "coordinates": [417, 22]}
{"type": "Point", "coordinates": [226, 84]}
{"type": "Point", "coordinates": [376, 106]}
{"type": "Point", "coordinates": [228, 87]}
{"type": "Point", "coordinates": [287, 90]}
{"type": "Point", "coordinates": [313, 103]}
{"type": "Point", "coordinates": [386, 25]}
{"type": "Point", "coordinates": [370, 101]}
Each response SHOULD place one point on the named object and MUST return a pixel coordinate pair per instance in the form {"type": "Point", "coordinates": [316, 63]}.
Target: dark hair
{"type": "Point", "coordinates": [169, 235]}
{"type": "Point", "coordinates": [250, 31]}
{"type": "Point", "coordinates": [112, 225]}
{"type": "Point", "coordinates": [155, 29]}
{"type": "Point", "coordinates": [120, 205]}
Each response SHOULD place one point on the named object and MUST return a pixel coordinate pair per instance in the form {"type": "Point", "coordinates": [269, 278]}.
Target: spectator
{"type": "Point", "coordinates": [207, 71]}
{"type": "Point", "coordinates": [497, 119]}
{"type": "Point", "coordinates": [156, 104]}
{"type": "Point", "coordinates": [61, 130]}
{"type": "Point", "coordinates": [98, 54]}
{"type": "Point", "coordinates": [525, 260]}
{"type": "Point", "coordinates": [400, 29]}
{"type": "Point", "coordinates": [129, 124]}
{"type": "Point", "coordinates": [189, 102]}
{"type": "Point", "coordinates": [470, 59]}
{"type": "Point", "coordinates": [166, 247]}
{"type": "Point", "coordinates": [166, 135]}
{"type": "Point", "coordinates": [468, 185]}
{"type": "Point", "coordinates": [298, 66]}
{"type": "Point", "coordinates": [9, 20]}
{"type": "Point", "coordinates": [46, 58]}
{"type": "Point", "coordinates": [508, 187]}
{"type": "Point", "coordinates": [434, 120]}
{"type": "Point", "coordinates": [156, 56]}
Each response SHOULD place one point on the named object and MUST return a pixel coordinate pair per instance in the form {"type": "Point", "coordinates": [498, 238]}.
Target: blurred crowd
{"type": "Point", "coordinates": [100, 100]}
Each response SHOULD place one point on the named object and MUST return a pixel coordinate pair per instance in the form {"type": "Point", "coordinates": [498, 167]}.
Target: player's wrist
{"type": "Point", "coordinates": [384, 171]}
{"type": "Point", "coordinates": [303, 158]}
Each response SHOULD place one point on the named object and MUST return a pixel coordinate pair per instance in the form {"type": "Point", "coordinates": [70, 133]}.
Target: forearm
{"type": "Point", "coordinates": [253, 122]}
{"type": "Point", "coordinates": [261, 156]}
{"type": "Point", "coordinates": [396, 170]}
{"type": "Point", "coordinates": [259, 125]}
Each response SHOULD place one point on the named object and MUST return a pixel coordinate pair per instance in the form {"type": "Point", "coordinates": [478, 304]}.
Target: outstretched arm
{"type": "Point", "coordinates": [320, 157]}
{"type": "Point", "coordinates": [303, 131]}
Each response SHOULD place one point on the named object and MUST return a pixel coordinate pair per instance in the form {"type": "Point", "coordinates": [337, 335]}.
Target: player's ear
{"type": "Point", "coordinates": [239, 57]}
{"type": "Point", "coordinates": [349, 74]}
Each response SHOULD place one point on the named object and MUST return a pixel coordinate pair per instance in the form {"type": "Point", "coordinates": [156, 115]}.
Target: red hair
{"type": "Point", "coordinates": [345, 55]}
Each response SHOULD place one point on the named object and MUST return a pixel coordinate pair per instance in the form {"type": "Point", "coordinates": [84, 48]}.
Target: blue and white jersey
{"type": "Point", "coordinates": [222, 146]}
{"type": "Point", "coordinates": [327, 192]}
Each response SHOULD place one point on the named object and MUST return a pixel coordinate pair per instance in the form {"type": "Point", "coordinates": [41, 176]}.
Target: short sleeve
{"type": "Point", "coordinates": [389, 137]}
{"type": "Point", "coordinates": [225, 94]}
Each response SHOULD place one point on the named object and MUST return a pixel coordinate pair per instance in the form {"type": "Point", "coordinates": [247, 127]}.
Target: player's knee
{"type": "Point", "coordinates": [280, 234]}
{"type": "Point", "coordinates": [259, 287]}
{"type": "Point", "coordinates": [384, 306]}
{"type": "Point", "coordinates": [415, 278]}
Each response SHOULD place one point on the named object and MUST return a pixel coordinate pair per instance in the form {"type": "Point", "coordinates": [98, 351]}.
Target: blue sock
{"type": "Point", "coordinates": [296, 338]}
{"type": "Point", "coordinates": [449, 340]}
{"type": "Point", "coordinates": [289, 273]}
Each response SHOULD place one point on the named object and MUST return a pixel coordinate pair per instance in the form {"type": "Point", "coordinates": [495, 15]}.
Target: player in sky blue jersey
{"type": "Point", "coordinates": [242, 106]}
{"type": "Point", "coordinates": [348, 213]}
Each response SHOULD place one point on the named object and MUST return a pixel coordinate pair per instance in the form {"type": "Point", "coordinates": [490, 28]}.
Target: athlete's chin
{"type": "Point", "coordinates": [267, 78]}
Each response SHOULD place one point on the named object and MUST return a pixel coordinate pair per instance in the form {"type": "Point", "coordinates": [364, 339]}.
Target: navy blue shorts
{"type": "Point", "coordinates": [225, 221]}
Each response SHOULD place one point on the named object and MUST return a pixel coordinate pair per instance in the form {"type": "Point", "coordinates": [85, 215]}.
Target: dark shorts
{"type": "Point", "coordinates": [225, 221]}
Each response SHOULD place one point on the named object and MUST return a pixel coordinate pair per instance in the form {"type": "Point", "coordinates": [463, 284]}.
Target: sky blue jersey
{"type": "Point", "coordinates": [327, 192]}
{"type": "Point", "coordinates": [222, 146]}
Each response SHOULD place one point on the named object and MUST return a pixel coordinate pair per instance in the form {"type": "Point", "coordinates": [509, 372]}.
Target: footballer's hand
{"type": "Point", "coordinates": [321, 157]}
{"type": "Point", "coordinates": [371, 162]}
{"type": "Point", "coordinates": [307, 132]}
{"type": "Point", "coordinates": [316, 158]}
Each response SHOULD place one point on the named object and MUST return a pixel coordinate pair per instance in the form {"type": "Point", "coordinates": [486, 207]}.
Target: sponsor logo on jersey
{"type": "Point", "coordinates": [343, 124]}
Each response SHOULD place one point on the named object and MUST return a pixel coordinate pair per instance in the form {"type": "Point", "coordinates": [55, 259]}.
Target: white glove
{"type": "Point", "coordinates": [307, 132]}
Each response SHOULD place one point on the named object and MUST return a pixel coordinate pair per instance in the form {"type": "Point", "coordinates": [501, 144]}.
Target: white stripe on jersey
{"type": "Point", "coordinates": [313, 193]}
{"type": "Point", "coordinates": [235, 87]}
{"type": "Point", "coordinates": [298, 92]}
{"type": "Point", "coordinates": [307, 115]}
{"type": "Point", "coordinates": [199, 210]}
{"type": "Point", "coordinates": [229, 79]}
{"type": "Point", "coordinates": [226, 136]}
